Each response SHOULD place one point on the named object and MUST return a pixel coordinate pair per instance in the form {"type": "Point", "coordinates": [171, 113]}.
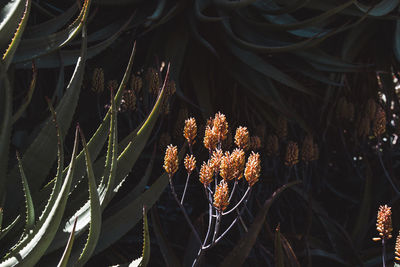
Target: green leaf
{"type": "Point", "coordinates": [384, 7]}
{"type": "Point", "coordinates": [5, 130]}
{"type": "Point", "coordinates": [67, 252]}
{"type": "Point", "coordinates": [40, 155]}
{"type": "Point", "coordinates": [50, 26]}
{"type": "Point", "coordinates": [9, 53]}
{"type": "Point", "coordinates": [33, 48]}
{"type": "Point", "coordinates": [171, 260]}
{"type": "Point", "coordinates": [95, 211]}
{"type": "Point", "coordinates": [4, 231]}
{"type": "Point", "coordinates": [28, 97]}
{"type": "Point", "coordinates": [33, 245]}
{"type": "Point", "coordinates": [242, 249]}
{"type": "Point", "coordinates": [30, 209]}
{"type": "Point", "coordinates": [10, 16]}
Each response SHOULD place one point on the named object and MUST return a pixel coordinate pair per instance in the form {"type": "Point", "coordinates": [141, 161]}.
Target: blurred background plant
{"type": "Point", "coordinates": [316, 83]}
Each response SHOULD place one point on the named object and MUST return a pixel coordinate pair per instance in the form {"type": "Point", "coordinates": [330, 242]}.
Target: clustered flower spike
{"type": "Point", "coordinates": [206, 174]}
{"type": "Point", "coordinates": [215, 160]}
{"type": "Point", "coordinates": [227, 167]}
{"type": "Point", "coordinates": [221, 196]}
{"type": "Point", "coordinates": [238, 160]}
{"type": "Point", "coordinates": [292, 154]}
{"type": "Point", "coordinates": [98, 80]}
{"type": "Point", "coordinates": [379, 123]}
{"type": "Point", "coordinates": [220, 126]}
{"type": "Point", "coordinates": [307, 149]}
{"type": "Point", "coordinates": [171, 160]}
{"type": "Point", "coordinates": [384, 223]}
{"type": "Point", "coordinates": [253, 169]}
{"type": "Point", "coordinates": [242, 138]}
{"type": "Point", "coordinates": [190, 163]}
{"type": "Point", "coordinates": [190, 130]}
{"type": "Point", "coordinates": [397, 248]}
{"type": "Point", "coordinates": [210, 139]}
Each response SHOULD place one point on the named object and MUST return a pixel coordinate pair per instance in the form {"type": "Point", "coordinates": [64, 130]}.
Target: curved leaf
{"type": "Point", "coordinates": [384, 7]}
{"type": "Point", "coordinates": [65, 257]}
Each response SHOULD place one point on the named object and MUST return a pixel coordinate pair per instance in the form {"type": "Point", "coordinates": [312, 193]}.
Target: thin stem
{"type": "Point", "coordinates": [233, 190]}
{"type": "Point", "coordinates": [383, 253]}
{"type": "Point", "coordinates": [217, 224]}
{"type": "Point", "coordinates": [184, 190]}
{"type": "Point", "coordinates": [184, 211]}
{"type": "Point", "coordinates": [240, 202]}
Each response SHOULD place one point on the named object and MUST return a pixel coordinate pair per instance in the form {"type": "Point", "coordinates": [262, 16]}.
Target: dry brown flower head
{"type": "Point", "coordinates": [221, 196]}
{"type": "Point", "coordinates": [98, 80]}
{"type": "Point", "coordinates": [206, 174]}
{"type": "Point", "coordinates": [384, 223]}
{"type": "Point", "coordinates": [112, 85]}
{"type": "Point", "coordinates": [239, 160]}
{"type": "Point", "coordinates": [292, 154]}
{"type": "Point", "coordinates": [136, 83]}
{"type": "Point", "coordinates": [307, 149]}
{"type": "Point", "coordinates": [171, 160]}
{"type": "Point", "coordinates": [379, 123]}
{"type": "Point", "coordinates": [170, 88]}
{"type": "Point", "coordinates": [190, 130]}
{"type": "Point", "coordinates": [255, 143]}
{"type": "Point", "coordinates": [272, 145]}
{"type": "Point", "coordinates": [253, 168]}
{"type": "Point", "coordinates": [242, 138]}
{"type": "Point", "coordinates": [190, 163]}
{"type": "Point", "coordinates": [129, 100]}
{"type": "Point", "coordinates": [215, 160]}
{"type": "Point", "coordinates": [210, 139]}
{"type": "Point", "coordinates": [397, 248]}
{"type": "Point", "coordinates": [153, 79]}
{"type": "Point", "coordinates": [227, 168]}
{"type": "Point", "coordinates": [220, 126]}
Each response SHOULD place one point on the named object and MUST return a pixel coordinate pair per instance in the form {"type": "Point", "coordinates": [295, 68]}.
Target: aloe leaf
{"type": "Point", "coordinates": [269, 8]}
{"type": "Point", "coordinates": [33, 48]}
{"type": "Point", "coordinates": [289, 252]}
{"type": "Point", "coordinates": [50, 26]}
{"type": "Point", "coordinates": [384, 7]}
{"type": "Point", "coordinates": [145, 258]}
{"type": "Point", "coordinates": [40, 155]}
{"type": "Point", "coordinates": [171, 260]}
{"type": "Point", "coordinates": [12, 47]}
{"type": "Point", "coordinates": [1, 218]}
{"type": "Point", "coordinates": [95, 211]}
{"type": "Point", "coordinates": [28, 97]}
{"type": "Point", "coordinates": [30, 209]}
{"type": "Point", "coordinates": [69, 57]}
{"type": "Point", "coordinates": [4, 231]}
{"type": "Point", "coordinates": [10, 16]}
{"type": "Point", "coordinates": [255, 62]}
{"type": "Point", "coordinates": [242, 249]}
{"type": "Point", "coordinates": [5, 130]}
{"type": "Point", "coordinates": [67, 252]}
{"type": "Point", "coordinates": [33, 245]}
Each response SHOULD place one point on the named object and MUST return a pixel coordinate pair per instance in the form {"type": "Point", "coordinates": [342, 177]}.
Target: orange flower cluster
{"type": "Point", "coordinates": [253, 169]}
{"type": "Point", "coordinates": [206, 173]}
{"type": "Point", "coordinates": [190, 163]}
{"type": "Point", "coordinates": [221, 196]}
{"type": "Point", "coordinates": [292, 154]}
{"type": "Point", "coordinates": [379, 123]}
{"type": "Point", "coordinates": [171, 160]}
{"type": "Point", "coordinates": [190, 130]}
{"type": "Point", "coordinates": [242, 138]}
{"type": "Point", "coordinates": [384, 223]}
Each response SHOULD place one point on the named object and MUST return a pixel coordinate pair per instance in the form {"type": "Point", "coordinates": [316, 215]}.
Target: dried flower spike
{"type": "Point", "coordinates": [253, 169]}
{"type": "Point", "coordinates": [220, 126]}
{"type": "Point", "coordinates": [153, 79]}
{"type": "Point", "coordinates": [170, 88]}
{"type": "Point", "coordinates": [242, 138]}
{"type": "Point", "coordinates": [136, 83]}
{"type": "Point", "coordinates": [227, 168]}
{"type": "Point", "coordinates": [397, 248]}
{"type": "Point", "coordinates": [98, 80]}
{"type": "Point", "coordinates": [210, 139]}
{"type": "Point", "coordinates": [215, 160]}
{"type": "Point", "coordinates": [384, 223]}
{"type": "Point", "coordinates": [307, 149]}
{"type": "Point", "coordinates": [272, 145]}
{"type": "Point", "coordinates": [292, 154]}
{"type": "Point", "coordinates": [171, 160]}
{"type": "Point", "coordinates": [239, 160]}
{"type": "Point", "coordinates": [129, 100]}
{"type": "Point", "coordinates": [379, 124]}
{"type": "Point", "coordinates": [190, 163]}
{"type": "Point", "coordinates": [206, 174]}
{"type": "Point", "coordinates": [112, 85]}
{"type": "Point", "coordinates": [190, 130]}
{"type": "Point", "coordinates": [221, 196]}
